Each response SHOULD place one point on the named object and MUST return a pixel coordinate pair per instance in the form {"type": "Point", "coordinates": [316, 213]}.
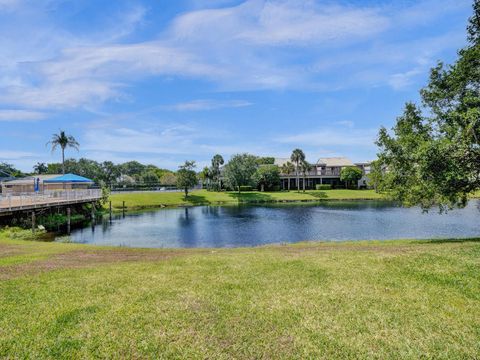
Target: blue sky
{"type": "Point", "coordinates": [164, 81]}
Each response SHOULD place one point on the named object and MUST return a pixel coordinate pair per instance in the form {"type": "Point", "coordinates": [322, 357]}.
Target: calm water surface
{"type": "Point", "coordinates": [232, 226]}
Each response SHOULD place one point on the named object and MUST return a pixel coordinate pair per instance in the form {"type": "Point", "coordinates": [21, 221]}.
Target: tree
{"type": "Point", "coordinates": [376, 175]}
{"type": "Point", "coordinates": [186, 176]}
{"type": "Point", "coordinates": [305, 167]}
{"type": "Point", "coordinates": [40, 168]}
{"type": "Point", "coordinates": [63, 140]}
{"type": "Point", "coordinates": [267, 177]}
{"type": "Point", "coordinates": [132, 168]}
{"type": "Point", "coordinates": [266, 160]}
{"type": "Point", "coordinates": [8, 170]}
{"type": "Point", "coordinates": [217, 161]}
{"type": "Point", "coordinates": [149, 178]}
{"type": "Point", "coordinates": [168, 179]}
{"type": "Point", "coordinates": [205, 176]}
{"type": "Point", "coordinates": [109, 172]}
{"type": "Point", "coordinates": [351, 175]}
{"type": "Point", "coordinates": [434, 159]}
{"type": "Point", "coordinates": [287, 169]}
{"type": "Point", "coordinates": [239, 170]}
{"type": "Point", "coordinates": [297, 157]}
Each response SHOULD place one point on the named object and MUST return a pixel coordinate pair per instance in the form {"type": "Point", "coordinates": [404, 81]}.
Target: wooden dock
{"type": "Point", "coordinates": [10, 204]}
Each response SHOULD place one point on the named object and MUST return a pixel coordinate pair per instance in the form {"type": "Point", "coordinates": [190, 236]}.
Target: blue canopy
{"type": "Point", "coordinates": [69, 178]}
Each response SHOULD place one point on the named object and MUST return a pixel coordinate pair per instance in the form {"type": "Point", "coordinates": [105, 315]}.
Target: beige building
{"type": "Point", "coordinates": [323, 171]}
{"type": "Point", "coordinates": [41, 183]}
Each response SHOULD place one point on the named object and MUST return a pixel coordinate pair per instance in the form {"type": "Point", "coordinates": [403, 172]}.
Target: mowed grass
{"type": "Point", "coordinates": [398, 300]}
{"type": "Point", "coordinates": [143, 200]}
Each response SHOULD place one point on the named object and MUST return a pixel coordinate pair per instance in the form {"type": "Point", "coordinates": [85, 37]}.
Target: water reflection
{"type": "Point", "coordinates": [216, 226]}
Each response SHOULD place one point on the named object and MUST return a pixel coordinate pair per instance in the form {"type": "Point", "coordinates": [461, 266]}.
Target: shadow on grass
{"type": "Point", "coordinates": [196, 199]}
{"type": "Point", "coordinates": [251, 197]}
{"type": "Point", "coordinates": [446, 241]}
{"type": "Point", "coordinates": [317, 194]}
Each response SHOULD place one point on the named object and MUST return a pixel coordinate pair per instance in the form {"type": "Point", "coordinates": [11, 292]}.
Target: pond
{"type": "Point", "coordinates": [235, 226]}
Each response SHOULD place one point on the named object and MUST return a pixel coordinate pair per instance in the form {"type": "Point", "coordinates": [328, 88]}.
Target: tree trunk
{"type": "Point", "coordinates": [186, 192]}
{"type": "Point", "coordinates": [63, 161]}
{"type": "Point", "coordinates": [298, 178]}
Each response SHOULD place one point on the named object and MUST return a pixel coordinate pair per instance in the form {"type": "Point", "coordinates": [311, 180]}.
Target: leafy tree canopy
{"type": "Point", "coordinates": [432, 157]}
{"type": "Point", "coordinates": [239, 170]}
{"type": "Point", "coordinates": [265, 160]}
{"type": "Point", "coordinates": [8, 170]}
{"type": "Point", "coordinates": [267, 176]}
{"type": "Point", "coordinates": [351, 174]}
{"type": "Point", "coordinates": [186, 176]}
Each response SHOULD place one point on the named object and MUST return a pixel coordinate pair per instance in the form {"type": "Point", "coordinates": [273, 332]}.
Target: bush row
{"type": "Point", "coordinates": [323, 187]}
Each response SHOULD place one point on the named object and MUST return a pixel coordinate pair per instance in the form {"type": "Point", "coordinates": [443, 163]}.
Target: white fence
{"type": "Point", "coordinates": [48, 197]}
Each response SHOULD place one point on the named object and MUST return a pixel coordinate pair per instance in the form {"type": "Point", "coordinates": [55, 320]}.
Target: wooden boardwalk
{"type": "Point", "coordinates": [10, 204]}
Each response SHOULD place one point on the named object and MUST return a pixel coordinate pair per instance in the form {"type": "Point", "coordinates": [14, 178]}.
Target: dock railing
{"type": "Point", "coordinates": [9, 202]}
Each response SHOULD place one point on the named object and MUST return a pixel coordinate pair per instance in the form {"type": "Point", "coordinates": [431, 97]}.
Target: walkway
{"type": "Point", "coordinates": [13, 203]}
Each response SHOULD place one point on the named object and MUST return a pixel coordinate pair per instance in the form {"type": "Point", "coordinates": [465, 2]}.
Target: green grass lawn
{"type": "Point", "coordinates": [142, 200]}
{"type": "Point", "coordinates": [401, 299]}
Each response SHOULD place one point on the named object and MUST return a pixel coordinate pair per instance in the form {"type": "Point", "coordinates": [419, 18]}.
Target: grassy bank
{"type": "Point", "coordinates": [397, 300]}
{"type": "Point", "coordinates": [144, 200]}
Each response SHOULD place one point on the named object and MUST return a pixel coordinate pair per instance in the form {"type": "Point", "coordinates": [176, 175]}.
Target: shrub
{"type": "Point", "coordinates": [246, 188]}
{"type": "Point", "coordinates": [323, 187]}
{"type": "Point", "coordinates": [267, 176]}
{"type": "Point", "coordinates": [277, 188]}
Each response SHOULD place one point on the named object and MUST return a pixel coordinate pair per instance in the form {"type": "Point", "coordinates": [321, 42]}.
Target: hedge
{"type": "Point", "coordinates": [323, 187]}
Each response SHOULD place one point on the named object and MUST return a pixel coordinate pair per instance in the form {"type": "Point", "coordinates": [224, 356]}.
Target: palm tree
{"type": "Point", "coordinates": [217, 161]}
{"type": "Point", "coordinates": [205, 176]}
{"type": "Point", "coordinates": [304, 168]}
{"type": "Point", "coordinates": [297, 157]}
{"type": "Point", "coordinates": [40, 168]}
{"type": "Point", "coordinates": [63, 140]}
{"type": "Point", "coordinates": [287, 169]}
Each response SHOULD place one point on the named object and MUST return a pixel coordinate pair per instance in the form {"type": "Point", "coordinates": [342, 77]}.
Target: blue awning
{"type": "Point", "coordinates": [69, 178]}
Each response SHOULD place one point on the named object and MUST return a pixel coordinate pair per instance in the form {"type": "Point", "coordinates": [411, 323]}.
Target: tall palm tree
{"type": "Point", "coordinates": [217, 161]}
{"type": "Point", "coordinates": [205, 176]}
{"type": "Point", "coordinates": [304, 168]}
{"type": "Point", "coordinates": [63, 140]}
{"type": "Point", "coordinates": [297, 157]}
{"type": "Point", "coordinates": [287, 169]}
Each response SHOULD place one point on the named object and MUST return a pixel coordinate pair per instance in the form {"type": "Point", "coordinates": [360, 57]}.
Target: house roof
{"type": "Point", "coordinates": [68, 178]}
{"type": "Point", "coordinates": [281, 161]}
{"type": "Point", "coordinates": [330, 161]}
{"type": "Point", "coordinates": [29, 180]}
{"type": "Point", "coordinates": [335, 161]}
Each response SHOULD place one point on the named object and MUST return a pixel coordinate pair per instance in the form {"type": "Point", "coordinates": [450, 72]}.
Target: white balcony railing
{"type": "Point", "coordinates": [48, 197]}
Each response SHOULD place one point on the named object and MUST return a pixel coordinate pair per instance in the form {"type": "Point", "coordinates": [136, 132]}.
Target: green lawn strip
{"type": "Point", "coordinates": [144, 200]}
{"type": "Point", "coordinates": [397, 299]}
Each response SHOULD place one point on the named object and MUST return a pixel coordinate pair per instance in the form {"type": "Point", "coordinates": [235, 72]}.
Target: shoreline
{"type": "Point", "coordinates": [176, 200]}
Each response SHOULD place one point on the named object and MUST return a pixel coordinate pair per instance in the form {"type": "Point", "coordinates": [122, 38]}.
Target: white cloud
{"type": "Point", "coordinates": [346, 123]}
{"type": "Point", "coordinates": [256, 45]}
{"type": "Point", "coordinates": [332, 137]}
{"type": "Point", "coordinates": [21, 115]}
{"type": "Point", "coordinates": [14, 155]}
{"type": "Point", "coordinates": [279, 23]}
{"type": "Point", "coordinates": [206, 104]}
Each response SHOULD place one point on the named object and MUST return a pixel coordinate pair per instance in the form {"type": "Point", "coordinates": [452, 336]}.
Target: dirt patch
{"type": "Point", "coordinates": [10, 250]}
{"type": "Point", "coordinates": [86, 258]}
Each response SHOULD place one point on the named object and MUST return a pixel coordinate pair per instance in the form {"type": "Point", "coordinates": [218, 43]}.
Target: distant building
{"type": "Point", "coordinates": [366, 168]}
{"type": "Point", "coordinates": [41, 183]}
{"type": "Point", "coordinates": [323, 171]}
